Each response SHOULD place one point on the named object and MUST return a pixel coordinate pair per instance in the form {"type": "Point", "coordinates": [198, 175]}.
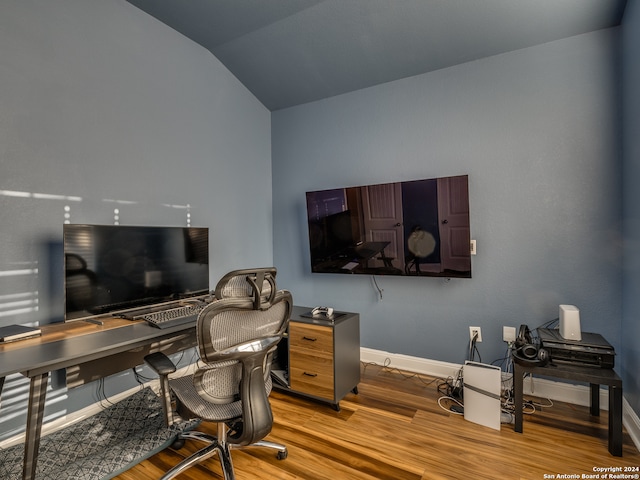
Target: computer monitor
{"type": "Point", "coordinates": [113, 267]}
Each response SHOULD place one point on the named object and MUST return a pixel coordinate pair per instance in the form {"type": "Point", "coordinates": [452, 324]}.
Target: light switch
{"type": "Point", "coordinates": [509, 334]}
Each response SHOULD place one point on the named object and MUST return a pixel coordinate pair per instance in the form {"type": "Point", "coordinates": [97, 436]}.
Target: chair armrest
{"type": "Point", "coordinates": [160, 363]}
{"type": "Point", "coordinates": [250, 348]}
{"type": "Point", "coordinates": [163, 366]}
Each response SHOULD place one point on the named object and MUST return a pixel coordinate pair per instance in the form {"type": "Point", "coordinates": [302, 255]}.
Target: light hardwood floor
{"type": "Point", "coordinates": [394, 429]}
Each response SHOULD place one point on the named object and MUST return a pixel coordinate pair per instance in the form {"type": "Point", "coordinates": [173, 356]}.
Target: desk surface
{"type": "Point", "coordinates": [67, 344]}
{"type": "Point", "coordinates": [600, 376]}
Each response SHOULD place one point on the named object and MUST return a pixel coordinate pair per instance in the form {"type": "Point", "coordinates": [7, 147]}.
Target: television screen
{"type": "Point", "coordinates": [113, 267]}
{"type": "Point", "coordinates": [413, 228]}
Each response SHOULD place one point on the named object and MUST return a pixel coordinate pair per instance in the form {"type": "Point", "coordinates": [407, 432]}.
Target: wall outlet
{"type": "Point", "coordinates": [509, 334]}
{"type": "Point", "coordinates": [473, 331]}
{"type": "Point", "coordinates": [473, 247]}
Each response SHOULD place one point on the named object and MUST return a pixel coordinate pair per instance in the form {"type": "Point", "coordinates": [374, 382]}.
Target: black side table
{"type": "Point", "coordinates": [595, 377]}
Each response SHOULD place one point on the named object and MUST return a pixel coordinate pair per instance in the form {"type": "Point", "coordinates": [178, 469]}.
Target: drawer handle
{"type": "Point", "coordinates": [309, 339]}
{"type": "Point", "coordinates": [310, 374]}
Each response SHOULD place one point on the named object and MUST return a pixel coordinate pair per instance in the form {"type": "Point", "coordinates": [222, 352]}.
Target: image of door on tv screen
{"type": "Point", "coordinates": [413, 228]}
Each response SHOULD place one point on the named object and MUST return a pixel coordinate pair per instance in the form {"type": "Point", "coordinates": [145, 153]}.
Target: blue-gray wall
{"type": "Point", "coordinates": [537, 131]}
{"type": "Point", "coordinates": [103, 107]}
{"type": "Point", "coordinates": [631, 203]}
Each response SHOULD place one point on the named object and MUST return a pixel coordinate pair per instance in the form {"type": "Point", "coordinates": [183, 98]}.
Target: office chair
{"type": "Point", "coordinates": [237, 335]}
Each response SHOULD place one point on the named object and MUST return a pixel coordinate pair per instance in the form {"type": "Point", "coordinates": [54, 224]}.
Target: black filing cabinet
{"type": "Point", "coordinates": [320, 357]}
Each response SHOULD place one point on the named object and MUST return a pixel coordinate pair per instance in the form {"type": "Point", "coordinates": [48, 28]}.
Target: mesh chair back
{"type": "Point", "coordinates": [247, 307]}
{"type": "Point", "coordinates": [237, 335]}
{"type": "Point", "coordinates": [224, 325]}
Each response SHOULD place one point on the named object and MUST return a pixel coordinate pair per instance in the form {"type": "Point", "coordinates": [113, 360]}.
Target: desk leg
{"type": "Point", "coordinates": [518, 380]}
{"type": "Point", "coordinates": [37, 394]}
{"type": "Point", "coordinates": [595, 399]}
{"type": "Point", "coordinates": [615, 421]}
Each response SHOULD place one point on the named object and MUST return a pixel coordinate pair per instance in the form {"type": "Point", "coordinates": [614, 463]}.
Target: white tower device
{"type": "Point", "coordinates": [570, 322]}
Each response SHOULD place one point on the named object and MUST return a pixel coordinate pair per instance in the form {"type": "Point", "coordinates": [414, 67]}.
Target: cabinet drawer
{"type": "Point", "coordinates": [312, 337]}
{"type": "Point", "coordinates": [303, 360]}
{"type": "Point", "coordinates": [311, 374]}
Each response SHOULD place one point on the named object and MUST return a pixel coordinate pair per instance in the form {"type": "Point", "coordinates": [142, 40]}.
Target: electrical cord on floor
{"type": "Point", "coordinates": [508, 407]}
{"type": "Point", "coordinates": [141, 379]}
{"type": "Point", "coordinates": [451, 408]}
{"type": "Point", "coordinates": [451, 390]}
{"type": "Point", "coordinates": [101, 394]}
{"type": "Point", "coordinates": [387, 367]}
{"type": "Point", "coordinates": [451, 386]}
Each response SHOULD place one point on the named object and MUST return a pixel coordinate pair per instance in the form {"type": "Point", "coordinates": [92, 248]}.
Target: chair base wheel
{"type": "Point", "coordinates": [178, 443]}
{"type": "Point", "coordinates": [282, 455]}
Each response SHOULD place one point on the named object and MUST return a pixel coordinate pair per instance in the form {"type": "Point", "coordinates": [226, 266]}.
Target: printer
{"type": "Point", "coordinates": [591, 350]}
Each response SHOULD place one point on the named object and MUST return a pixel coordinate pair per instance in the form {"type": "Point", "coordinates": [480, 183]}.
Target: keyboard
{"type": "Point", "coordinates": [172, 316]}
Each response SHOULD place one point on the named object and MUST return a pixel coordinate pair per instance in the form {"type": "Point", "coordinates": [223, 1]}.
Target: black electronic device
{"type": "Point", "coordinates": [592, 350]}
{"type": "Point", "coordinates": [12, 333]}
{"type": "Point", "coordinates": [412, 228]}
{"type": "Point", "coordinates": [528, 350]}
{"type": "Point", "coordinates": [110, 268]}
{"type": "Point", "coordinates": [457, 409]}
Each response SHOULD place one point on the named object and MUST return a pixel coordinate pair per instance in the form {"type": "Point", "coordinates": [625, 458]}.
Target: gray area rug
{"type": "Point", "coordinates": [101, 446]}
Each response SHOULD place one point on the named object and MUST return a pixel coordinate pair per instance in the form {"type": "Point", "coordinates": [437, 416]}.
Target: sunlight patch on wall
{"type": "Point", "coordinates": [40, 196]}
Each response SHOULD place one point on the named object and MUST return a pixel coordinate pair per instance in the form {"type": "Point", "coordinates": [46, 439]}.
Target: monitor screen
{"type": "Point", "coordinates": [413, 228]}
{"type": "Point", "coordinates": [112, 267]}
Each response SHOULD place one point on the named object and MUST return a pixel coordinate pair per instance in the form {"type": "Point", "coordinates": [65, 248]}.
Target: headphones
{"type": "Point", "coordinates": [527, 352]}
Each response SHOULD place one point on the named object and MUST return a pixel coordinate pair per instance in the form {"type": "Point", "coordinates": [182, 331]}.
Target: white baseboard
{"type": "Point", "coordinates": [433, 368]}
{"type": "Point", "coordinates": [540, 387]}
{"type": "Point", "coordinates": [631, 422]}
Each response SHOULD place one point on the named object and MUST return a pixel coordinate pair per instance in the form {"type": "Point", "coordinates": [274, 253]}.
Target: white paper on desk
{"type": "Point", "coordinates": [482, 394]}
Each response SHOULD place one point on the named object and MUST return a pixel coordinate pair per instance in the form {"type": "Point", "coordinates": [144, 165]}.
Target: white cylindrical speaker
{"type": "Point", "coordinates": [570, 322]}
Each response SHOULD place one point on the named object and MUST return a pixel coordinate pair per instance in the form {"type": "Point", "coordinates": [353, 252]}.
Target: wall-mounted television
{"type": "Point", "coordinates": [111, 267]}
{"type": "Point", "coordinates": [413, 228]}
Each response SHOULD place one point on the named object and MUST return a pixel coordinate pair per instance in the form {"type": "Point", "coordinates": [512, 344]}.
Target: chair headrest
{"type": "Point", "coordinates": [258, 284]}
